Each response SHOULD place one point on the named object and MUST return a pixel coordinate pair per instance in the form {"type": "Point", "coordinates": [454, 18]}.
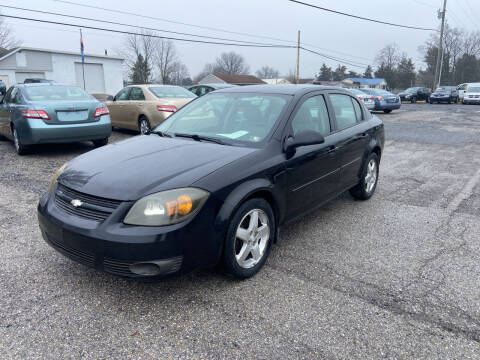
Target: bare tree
{"type": "Point", "coordinates": [167, 63]}
{"type": "Point", "coordinates": [7, 38]}
{"type": "Point", "coordinates": [178, 74]}
{"type": "Point", "coordinates": [389, 56]}
{"type": "Point", "coordinates": [136, 45]}
{"type": "Point", "coordinates": [267, 72]}
{"type": "Point", "coordinates": [231, 63]}
{"type": "Point", "coordinates": [471, 44]}
{"type": "Point", "coordinates": [291, 76]}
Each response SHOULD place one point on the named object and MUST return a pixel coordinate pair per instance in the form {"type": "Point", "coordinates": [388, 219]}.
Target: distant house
{"type": "Point", "coordinates": [276, 81]}
{"type": "Point", "coordinates": [103, 74]}
{"type": "Point", "coordinates": [344, 84]}
{"type": "Point", "coordinates": [377, 83]}
{"type": "Point", "coordinates": [216, 78]}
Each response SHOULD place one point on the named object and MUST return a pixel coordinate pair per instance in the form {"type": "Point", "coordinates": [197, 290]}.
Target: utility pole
{"type": "Point", "coordinates": [297, 77]}
{"type": "Point", "coordinates": [440, 47]}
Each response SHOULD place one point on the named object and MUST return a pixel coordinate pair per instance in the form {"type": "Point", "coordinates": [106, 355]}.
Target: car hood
{"type": "Point", "coordinates": [143, 165]}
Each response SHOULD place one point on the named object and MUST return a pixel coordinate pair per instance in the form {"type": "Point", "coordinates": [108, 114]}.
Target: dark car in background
{"type": "Point", "coordinates": [3, 88]}
{"type": "Point", "coordinates": [37, 81]}
{"type": "Point", "coordinates": [203, 89]}
{"type": "Point", "coordinates": [447, 94]}
{"type": "Point", "coordinates": [415, 94]}
{"type": "Point", "coordinates": [52, 113]}
{"type": "Point", "coordinates": [214, 182]}
{"type": "Point", "coordinates": [384, 101]}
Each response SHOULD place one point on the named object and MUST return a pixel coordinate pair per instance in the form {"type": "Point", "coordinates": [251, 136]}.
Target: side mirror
{"type": "Point", "coordinates": [110, 98]}
{"type": "Point", "coordinates": [303, 138]}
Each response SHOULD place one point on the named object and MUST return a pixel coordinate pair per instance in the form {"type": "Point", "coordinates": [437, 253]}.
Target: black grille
{"type": "Point", "coordinates": [81, 256]}
{"type": "Point", "coordinates": [117, 267]}
{"type": "Point", "coordinates": [93, 207]}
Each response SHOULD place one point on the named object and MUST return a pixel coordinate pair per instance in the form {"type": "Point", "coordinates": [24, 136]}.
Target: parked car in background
{"type": "Point", "coordinates": [384, 101]}
{"type": "Point", "coordinates": [415, 94]}
{"type": "Point", "coordinates": [3, 88]}
{"type": "Point", "coordinates": [203, 89]}
{"type": "Point", "coordinates": [37, 81]}
{"type": "Point", "coordinates": [103, 97]}
{"type": "Point", "coordinates": [368, 100]}
{"type": "Point", "coordinates": [142, 107]}
{"type": "Point", "coordinates": [446, 94]}
{"type": "Point", "coordinates": [51, 113]}
{"type": "Point", "coordinates": [209, 187]}
{"type": "Point", "coordinates": [472, 94]}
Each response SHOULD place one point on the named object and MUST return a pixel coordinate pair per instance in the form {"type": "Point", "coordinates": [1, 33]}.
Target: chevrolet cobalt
{"type": "Point", "coordinates": [214, 182]}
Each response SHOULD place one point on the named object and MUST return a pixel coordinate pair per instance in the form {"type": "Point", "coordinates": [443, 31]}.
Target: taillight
{"type": "Point", "coordinates": [101, 111]}
{"type": "Point", "coordinates": [379, 97]}
{"type": "Point", "coordinates": [167, 108]}
{"type": "Point", "coordinates": [372, 98]}
{"type": "Point", "coordinates": [35, 114]}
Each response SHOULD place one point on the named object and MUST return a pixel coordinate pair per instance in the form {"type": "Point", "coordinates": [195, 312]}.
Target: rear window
{"type": "Point", "coordinates": [173, 92]}
{"type": "Point", "coordinates": [56, 92]}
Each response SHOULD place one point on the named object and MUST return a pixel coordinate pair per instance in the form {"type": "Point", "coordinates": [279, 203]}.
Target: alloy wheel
{"type": "Point", "coordinates": [251, 238]}
{"type": "Point", "coordinates": [144, 127]}
{"type": "Point", "coordinates": [371, 176]}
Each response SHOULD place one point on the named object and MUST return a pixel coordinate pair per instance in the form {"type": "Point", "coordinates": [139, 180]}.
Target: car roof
{"type": "Point", "coordinates": [43, 84]}
{"type": "Point", "coordinates": [150, 85]}
{"type": "Point", "coordinates": [283, 89]}
{"type": "Point", "coordinates": [218, 85]}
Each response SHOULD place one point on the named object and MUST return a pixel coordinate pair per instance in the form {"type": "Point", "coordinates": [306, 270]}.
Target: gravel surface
{"type": "Point", "coordinates": [394, 277]}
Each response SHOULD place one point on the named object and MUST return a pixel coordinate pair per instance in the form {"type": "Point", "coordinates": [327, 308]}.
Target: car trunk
{"type": "Point", "coordinates": [68, 112]}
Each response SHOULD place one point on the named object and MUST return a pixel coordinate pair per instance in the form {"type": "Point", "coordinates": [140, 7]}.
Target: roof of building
{"type": "Point", "coordinates": [7, 53]}
{"type": "Point", "coordinates": [364, 81]}
{"type": "Point", "coordinates": [239, 79]}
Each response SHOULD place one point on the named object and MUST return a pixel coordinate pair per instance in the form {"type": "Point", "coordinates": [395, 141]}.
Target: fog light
{"type": "Point", "coordinates": [145, 269]}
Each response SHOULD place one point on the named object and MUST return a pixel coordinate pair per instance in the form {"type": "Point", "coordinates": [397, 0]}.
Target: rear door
{"type": "Point", "coordinates": [353, 135]}
{"type": "Point", "coordinates": [312, 172]}
{"type": "Point", "coordinates": [117, 107]}
{"type": "Point", "coordinates": [5, 114]}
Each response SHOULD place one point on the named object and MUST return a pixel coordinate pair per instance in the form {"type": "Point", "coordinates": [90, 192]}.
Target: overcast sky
{"type": "Point", "coordinates": [340, 36]}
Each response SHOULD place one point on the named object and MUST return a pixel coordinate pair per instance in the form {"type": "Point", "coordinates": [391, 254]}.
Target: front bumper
{"type": "Point", "coordinates": [471, 100]}
{"type": "Point", "coordinates": [131, 251]}
{"type": "Point", "coordinates": [382, 105]}
{"type": "Point", "coordinates": [35, 131]}
{"type": "Point", "coordinates": [440, 98]}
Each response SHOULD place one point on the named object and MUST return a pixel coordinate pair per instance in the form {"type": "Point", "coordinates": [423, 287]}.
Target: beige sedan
{"type": "Point", "coordinates": [142, 107]}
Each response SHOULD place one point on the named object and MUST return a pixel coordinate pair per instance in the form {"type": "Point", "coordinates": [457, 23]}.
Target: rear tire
{"type": "Point", "coordinates": [413, 100]}
{"type": "Point", "coordinates": [100, 142]}
{"type": "Point", "coordinates": [365, 189]}
{"type": "Point", "coordinates": [387, 111]}
{"type": "Point", "coordinates": [19, 147]}
{"type": "Point", "coordinates": [248, 244]}
{"type": "Point", "coordinates": [144, 125]}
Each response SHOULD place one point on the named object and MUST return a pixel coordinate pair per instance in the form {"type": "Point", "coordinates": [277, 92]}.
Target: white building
{"type": "Point", "coordinates": [103, 74]}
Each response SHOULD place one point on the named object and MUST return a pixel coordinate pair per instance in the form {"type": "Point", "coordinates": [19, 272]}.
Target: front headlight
{"type": "Point", "coordinates": [56, 175]}
{"type": "Point", "coordinates": [166, 207]}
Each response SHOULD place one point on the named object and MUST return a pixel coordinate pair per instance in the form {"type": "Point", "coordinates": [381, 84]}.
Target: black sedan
{"type": "Point", "coordinates": [204, 89]}
{"type": "Point", "coordinates": [214, 182]}
{"type": "Point", "coordinates": [447, 94]}
{"type": "Point", "coordinates": [414, 94]}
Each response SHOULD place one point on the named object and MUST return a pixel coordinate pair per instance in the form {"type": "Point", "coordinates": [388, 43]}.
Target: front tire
{"type": "Point", "coordinates": [413, 100]}
{"type": "Point", "coordinates": [144, 125]}
{"type": "Point", "coordinates": [365, 189]}
{"type": "Point", "coordinates": [19, 147]}
{"type": "Point", "coordinates": [249, 238]}
{"type": "Point", "coordinates": [100, 142]}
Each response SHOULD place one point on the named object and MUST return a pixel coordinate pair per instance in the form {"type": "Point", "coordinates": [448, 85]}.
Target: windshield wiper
{"type": "Point", "coordinates": [159, 133]}
{"type": "Point", "coordinates": [197, 137]}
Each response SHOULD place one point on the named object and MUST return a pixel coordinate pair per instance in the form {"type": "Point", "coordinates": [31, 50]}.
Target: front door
{"type": "Point", "coordinates": [312, 172]}
{"type": "Point", "coordinates": [5, 114]}
{"type": "Point", "coordinates": [353, 135]}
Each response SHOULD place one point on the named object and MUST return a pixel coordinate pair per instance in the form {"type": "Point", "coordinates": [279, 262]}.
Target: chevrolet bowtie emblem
{"type": "Point", "coordinates": [76, 202]}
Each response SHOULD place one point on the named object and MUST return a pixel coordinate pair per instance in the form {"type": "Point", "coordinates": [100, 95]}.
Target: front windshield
{"type": "Point", "coordinates": [236, 118]}
{"type": "Point", "coordinates": [473, 89]}
{"type": "Point", "coordinates": [174, 92]}
{"type": "Point", "coordinates": [411, 90]}
{"type": "Point", "coordinates": [55, 92]}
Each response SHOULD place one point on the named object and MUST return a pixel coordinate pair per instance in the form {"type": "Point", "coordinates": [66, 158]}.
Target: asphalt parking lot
{"type": "Point", "coordinates": [394, 277]}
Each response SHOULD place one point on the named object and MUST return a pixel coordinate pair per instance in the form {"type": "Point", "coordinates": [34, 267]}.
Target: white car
{"type": "Point", "coordinates": [461, 90]}
{"type": "Point", "coordinates": [368, 100]}
{"type": "Point", "coordinates": [472, 94]}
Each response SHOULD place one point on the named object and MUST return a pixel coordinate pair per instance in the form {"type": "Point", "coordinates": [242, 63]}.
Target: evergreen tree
{"type": "Point", "coordinates": [140, 71]}
{"type": "Point", "coordinates": [340, 73]}
{"type": "Point", "coordinates": [325, 73]}
{"type": "Point", "coordinates": [405, 73]}
{"type": "Point", "coordinates": [368, 74]}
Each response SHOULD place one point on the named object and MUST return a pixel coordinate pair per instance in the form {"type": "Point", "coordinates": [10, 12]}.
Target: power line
{"type": "Point", "coordinates": [171, 21]}
{"type": "Point", "coordinates": [201, 27]}
{"type": "Point", "coordinates": [130, 25]}
{"type": "Point", "coordinates": [334, 59]}
{"type": "Point", "coordinates": [146, 35]}
{"type": "Point", "coordinates": [360, 17]}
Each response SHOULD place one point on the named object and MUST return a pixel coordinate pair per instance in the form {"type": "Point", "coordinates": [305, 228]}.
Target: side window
{"type": "Point", "coordinates": [358, 110]}
{"type": "Point", "coordinates": [344, 110]}
{"type": "Point", "coordinates": [312, 115]}
{"type": "Point", "coordinates": [136, 94]}
{"type": "Point", "coordinates": [207, 89]}
{"type": "Point", "coordinates": [13, 96]}
{"type": "Point", "coordinates": [8, 95]}
{"type": "Point", "coordinates": [202, 90]}
{"type": "Point", "coordinates": [194, 90]}
{"type": "Point", "coordinates": [122, 94]}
